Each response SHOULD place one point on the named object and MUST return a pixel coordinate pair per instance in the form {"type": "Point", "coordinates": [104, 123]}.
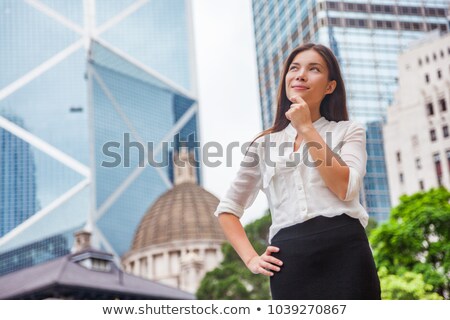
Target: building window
{"type": "Point", "coordinates": [430, 110]}
{"type": "Point", "coordinates": [431, 11]}
{"type": "Point", "coordinates": [432, 26]}
{"type": "Point", "coordinates": [442, 53]}
{"type": "Point", "coordinates": [333, 21]}
{"type": "Point", "coordinates": [439, 74]}
{"type": "Point", "coordinates": [350, 22]}
{"type": "Point", "coordinates": [420, 62]}
{"type": "Point", "coordinates": [415, 140]}
{"type": "Point", "coordinates": [434, 56]}
{"type": "Point", "coordinates": [376, 8]}
{"type": "Point", "coordinates": [443, 105]}
{"type": "Point", "coordinates": [399, 158]}
{"type": "Point", "coordinates": [361, 7]}
{"type": "Point", "coordinates": [438, 168]}
{"type": "Point", "coordinates": [405, 25]}
{"type": "Point", "coordinates": [433, 135]}
{"type": "Point", "coordinates": [349, 7]}
{"type": "Point", "coordinates": [388, 9]}
{"type": "Point", "coordinates": [400, 176]}
{"type": "Point", "coordinates": [332, 5]}
{"type": "Point", "coordinates": [448, 158]}
{"type": "Point", "coordinates": [427, 59]}
{"type": "Point", "coordinates": [427, 78]}
{"type": "Point", "coordinates": [421, 186]}
{"type": "Point", "coordinates": [445, 131]}
{"type": "Point", "coordinates": [418, 164]}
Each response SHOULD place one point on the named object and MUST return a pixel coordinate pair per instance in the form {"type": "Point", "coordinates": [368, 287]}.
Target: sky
{"type": "Point", "coordinates": [228, 89]}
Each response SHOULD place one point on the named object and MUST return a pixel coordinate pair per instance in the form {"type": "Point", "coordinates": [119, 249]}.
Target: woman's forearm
{"type": "Point", "coordinates": [332, 169]}
{"type": "Point", "coordinates": [235, 233]}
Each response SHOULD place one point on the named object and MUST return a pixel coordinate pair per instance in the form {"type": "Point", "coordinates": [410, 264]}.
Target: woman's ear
{"type": "Point", "coordinates": [331, 86]}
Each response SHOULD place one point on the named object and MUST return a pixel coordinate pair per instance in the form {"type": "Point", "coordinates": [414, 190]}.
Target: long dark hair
{"type": "Point", "coordinates": [333, 106]}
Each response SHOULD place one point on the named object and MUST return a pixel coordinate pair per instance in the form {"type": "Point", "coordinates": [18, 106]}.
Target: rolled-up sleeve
{"type": "Point", "coordinates": [354, 154]}
{"type": "Point", "coordinates": [245, 186]}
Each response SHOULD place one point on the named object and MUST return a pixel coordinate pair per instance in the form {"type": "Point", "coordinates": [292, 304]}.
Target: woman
{"type": "Point", "coordinates": [311, 165]}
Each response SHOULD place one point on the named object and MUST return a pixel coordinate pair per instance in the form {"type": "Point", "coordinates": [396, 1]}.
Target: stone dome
{"type": "Point", "coordinates": [183, 213]}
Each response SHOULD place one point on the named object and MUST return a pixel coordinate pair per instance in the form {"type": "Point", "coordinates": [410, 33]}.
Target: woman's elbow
{"type": "Point", "coordinates": [343, 194]}
{"type": "Point", "coordinates": [351, 189]}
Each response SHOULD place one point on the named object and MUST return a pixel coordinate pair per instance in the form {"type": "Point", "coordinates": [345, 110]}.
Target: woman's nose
{"type": "Point", "coordinates": [300, 75]}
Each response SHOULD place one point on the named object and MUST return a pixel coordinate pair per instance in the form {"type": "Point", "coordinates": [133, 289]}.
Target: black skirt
{"type": "Point", "coordinates": [325, 258]}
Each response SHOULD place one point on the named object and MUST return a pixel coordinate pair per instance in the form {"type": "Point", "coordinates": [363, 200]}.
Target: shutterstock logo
{"type": "Point", "coordinates": [213, 154]}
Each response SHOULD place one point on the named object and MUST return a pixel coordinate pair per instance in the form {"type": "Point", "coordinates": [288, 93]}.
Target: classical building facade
{"type": "Point", "coordinates": [179, 239]}
{"type": "Point", "coordinates": [417, 142]}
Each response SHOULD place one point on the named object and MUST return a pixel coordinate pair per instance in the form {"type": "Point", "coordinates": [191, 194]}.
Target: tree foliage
{"type": "Point", "coordinates": [408, 286]}
{"type": "Point", "coordinates": [232, 279]}
{"type": "Point", "coordinates": [415, 241]}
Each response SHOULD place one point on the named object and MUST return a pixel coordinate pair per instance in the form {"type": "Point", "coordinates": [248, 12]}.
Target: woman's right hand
{"type": "Point", "coordinates": [265, 263]}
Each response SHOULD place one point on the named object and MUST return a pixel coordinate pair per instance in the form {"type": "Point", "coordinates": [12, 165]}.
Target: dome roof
{"type": "Point", "coordinates": [182, 213]}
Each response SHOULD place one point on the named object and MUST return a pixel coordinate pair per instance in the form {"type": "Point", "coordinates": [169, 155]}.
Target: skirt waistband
{"type": "Point", "coordinates": [313, 226]}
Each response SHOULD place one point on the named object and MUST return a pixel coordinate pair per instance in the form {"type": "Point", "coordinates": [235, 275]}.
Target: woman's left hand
{"type": "Point", "coordinates": [299, 114]}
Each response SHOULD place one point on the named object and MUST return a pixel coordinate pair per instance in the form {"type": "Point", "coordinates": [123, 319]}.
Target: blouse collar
{"type": "Point", "coordinates": [292, 133]}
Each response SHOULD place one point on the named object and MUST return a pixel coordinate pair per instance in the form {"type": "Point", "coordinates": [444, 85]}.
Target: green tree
{"type": "Point", "coordinates": [409, 286]}
{"type": "Point", "coordinates": [415, 241]}
{"type": "Point", "coordinates": [232, 279]}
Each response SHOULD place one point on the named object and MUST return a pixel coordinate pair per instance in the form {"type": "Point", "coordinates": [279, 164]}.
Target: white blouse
{"type": "Point", "coordinates": [294, 188]}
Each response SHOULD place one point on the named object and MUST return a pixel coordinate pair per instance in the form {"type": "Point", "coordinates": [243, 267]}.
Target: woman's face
{"type": "Point", "coordinates": [307, 77]}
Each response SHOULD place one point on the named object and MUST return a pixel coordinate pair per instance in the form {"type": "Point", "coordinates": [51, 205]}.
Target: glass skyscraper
{"type": "Point", "coordinates": [366, 37]}
{"type": "Point", "coordinates": [101, 88]}
{"type": "Point", "coordinates": [17, 180]}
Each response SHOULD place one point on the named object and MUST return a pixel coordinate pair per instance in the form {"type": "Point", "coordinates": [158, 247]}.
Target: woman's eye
{"type": "Point", "coordinates": [292, 68]}
{"type": "Point", "coordinates": [314, 68]}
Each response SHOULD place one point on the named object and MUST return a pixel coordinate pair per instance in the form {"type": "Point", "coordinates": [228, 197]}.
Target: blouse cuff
{"type": "Point", "coordinates": [353, 185]}
{"type": "Point", "coordinates": [229, 206]}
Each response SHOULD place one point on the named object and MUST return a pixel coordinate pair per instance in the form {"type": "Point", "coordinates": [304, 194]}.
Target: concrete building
{"type": "Point", "coordinates": [417, 142]}
{"type": "Point", "coordinates": [179, 239]}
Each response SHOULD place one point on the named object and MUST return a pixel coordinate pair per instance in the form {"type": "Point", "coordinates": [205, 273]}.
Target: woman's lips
{"type": "Point", "coordinates": [300, 88]}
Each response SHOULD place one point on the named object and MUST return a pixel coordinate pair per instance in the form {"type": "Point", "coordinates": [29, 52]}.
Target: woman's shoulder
{"type": "Point", "coordinates": [346, 125]}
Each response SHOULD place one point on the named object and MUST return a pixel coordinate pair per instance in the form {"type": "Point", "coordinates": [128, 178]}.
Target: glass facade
{"type": "Point", "coordinates": [366, 38]}
{"type": "Point", "coordinates": [89, 91]}
{"type": "Point", "coordinates": [17, 180]}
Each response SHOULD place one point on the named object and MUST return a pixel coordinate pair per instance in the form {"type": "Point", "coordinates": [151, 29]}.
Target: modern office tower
{"type": "Point", "coordinates": [102, 87]}
{"type": "Point", "coordinates": [417, 130]}
{"type": "Point", "coordinates": [17, 180]}
{"type": "Point", "coordinates": [366, 37]}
